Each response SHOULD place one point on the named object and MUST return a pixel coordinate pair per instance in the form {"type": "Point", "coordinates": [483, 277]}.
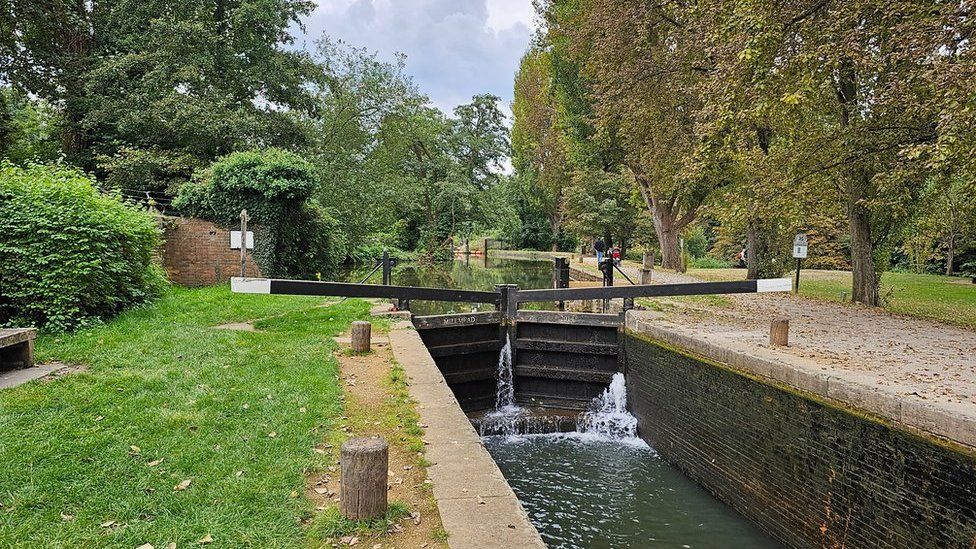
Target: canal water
{"type": "Point", "coordinates": [586, 490]}
{"type": "Point", "coordinates": [473, 273]}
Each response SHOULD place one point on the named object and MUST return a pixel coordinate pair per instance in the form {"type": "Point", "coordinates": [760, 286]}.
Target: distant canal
{"type": "Point", "coordinates": [603, 494]}
{"type": "Point", "coordinates": [473, 273]}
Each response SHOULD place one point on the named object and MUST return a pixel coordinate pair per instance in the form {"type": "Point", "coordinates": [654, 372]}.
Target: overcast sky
{"type": "Point", "coordinates": [455, 48]}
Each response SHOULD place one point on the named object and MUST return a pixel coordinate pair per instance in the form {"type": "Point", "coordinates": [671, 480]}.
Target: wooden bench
{"type": "Point", "coordinates": [17, 348]}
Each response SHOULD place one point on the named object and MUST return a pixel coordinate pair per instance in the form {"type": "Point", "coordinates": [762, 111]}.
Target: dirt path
{"type": "Point", "coordinates": [376, 403]}
{"type": "Point", "coordinates": [917, 358]}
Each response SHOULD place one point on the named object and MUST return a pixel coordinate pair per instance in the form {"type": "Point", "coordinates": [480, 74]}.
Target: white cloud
{"type": "Point", "coordinates": [455, 48]}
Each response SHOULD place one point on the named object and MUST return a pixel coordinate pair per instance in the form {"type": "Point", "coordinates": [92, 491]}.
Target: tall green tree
{"type": "Point", "coordinates": [171, 82]}
{"type": "Point", "coordinates": [856, 77]}
{"type": "Point", "coordinates": [538, 143]}
{"type": "Point", "coordinates": [358, 103]}
{"type": "Point", "coordinates": [28, 128]}
{"type": "Point", "coordinates": [640, 70]}
{"type": "Point", "coordinates": [47, 49]}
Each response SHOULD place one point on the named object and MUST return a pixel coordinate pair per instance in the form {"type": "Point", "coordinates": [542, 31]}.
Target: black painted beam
{"type": "Point", "coordinates": [344, 289]}
{"type": "Point", "coordinates": [654, 290]}
{"type": "Point", "coordinates": [564, 318]}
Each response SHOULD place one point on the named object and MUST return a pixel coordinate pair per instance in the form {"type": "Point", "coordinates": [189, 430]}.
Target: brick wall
{"type": "Point", "coordinates": [197, 253]}
{"type": "Point", "coordinates": [810, 473]}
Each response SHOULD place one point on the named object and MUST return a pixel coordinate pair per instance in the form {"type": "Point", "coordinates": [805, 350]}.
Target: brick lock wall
{"type": "Point", "coordinates": [197, 253]}
{"type": "Point", "coordinates": [809, 473]}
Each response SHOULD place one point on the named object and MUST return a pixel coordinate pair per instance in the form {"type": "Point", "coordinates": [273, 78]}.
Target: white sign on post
{"type": "Point", "coordinates": [235, 240]}
{"type": "Point", "coordinates": [800, 246]}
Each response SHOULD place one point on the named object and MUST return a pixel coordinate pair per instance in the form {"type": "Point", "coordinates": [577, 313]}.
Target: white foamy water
{"type": "Point", "coordinates": [606, 420]}
{"type": "Point", "coordinates": [608, 417]}
{"type": "Point", "coordinates": [506, 418]}
{"type": "Point", "coordinates": [505, 389]}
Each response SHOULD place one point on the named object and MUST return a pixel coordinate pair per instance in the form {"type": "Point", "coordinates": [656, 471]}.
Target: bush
{"type": "Point", "coordinates": [709, 262]}
{"type": "Point", "coordinates": [70, 257]}
{"type": "Point", "coordinates": [292, 236]}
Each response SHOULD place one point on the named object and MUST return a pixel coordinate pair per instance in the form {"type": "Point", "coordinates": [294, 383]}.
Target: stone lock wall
{"type": "Point", "coordinates": [811, 473]}
{"type": "Point", "coordinates": [197, 253]}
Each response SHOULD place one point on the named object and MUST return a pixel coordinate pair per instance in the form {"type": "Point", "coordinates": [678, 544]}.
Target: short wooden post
{"type": "Point", "coordinates": [779, 332]}
{"type": "Point", "coordinates": [647, 269]}
{"type": "Point", "coordinates": [364, 464]}
{"type": "Point", "coordinates": [360, 335]}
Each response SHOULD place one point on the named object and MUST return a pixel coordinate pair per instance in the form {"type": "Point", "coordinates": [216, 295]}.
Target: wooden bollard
{"type": "Point", "coordinates": [363, 482]}
{"type": "Point", "coordinates": [779, 332]}
{"type": "Point", "coordinates": [360, 335]}
{"type": "Point", "coordinates": [647, 268]}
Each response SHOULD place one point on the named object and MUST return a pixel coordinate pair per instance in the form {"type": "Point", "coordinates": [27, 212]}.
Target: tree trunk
{"type": "Point", "coordinates": [865, 286]}
{"type": "Point", "coordinates": [865, 289]}
{"type": "Point", "coordinates": [670, 248]}
{"type": "Point", "coordinates": [554, 226]}
{"type": "Point", "coordinates": [667, 225]}
{"type": "Point", "coordinates": [752, 250]}
{"type": "Point", "coordinates": [80, 43]}
{"type": "Point", "coordinates": [950, 255]}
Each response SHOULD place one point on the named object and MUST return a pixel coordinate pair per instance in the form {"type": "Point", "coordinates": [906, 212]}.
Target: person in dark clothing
{"type": "Point", "coordinates": [599, 247]}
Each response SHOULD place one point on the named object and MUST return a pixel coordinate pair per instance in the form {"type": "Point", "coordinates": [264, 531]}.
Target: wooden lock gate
{"type": "Point", "coordinates": [560, 359]}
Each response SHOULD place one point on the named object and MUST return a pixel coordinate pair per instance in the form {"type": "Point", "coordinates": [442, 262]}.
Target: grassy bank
{"type": "Point", "coordinates": [177, 432]}
{"type": "Point", "coordinates": [948, 299]}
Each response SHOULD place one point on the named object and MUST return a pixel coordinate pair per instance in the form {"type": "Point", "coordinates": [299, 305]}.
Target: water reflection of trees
{"type": "Point", "coordinates": [473, 273]}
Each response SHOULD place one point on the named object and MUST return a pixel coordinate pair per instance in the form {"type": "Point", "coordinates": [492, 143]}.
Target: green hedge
{"type": "Point", "coordinates": [68, 255]}
{"type": "Point", "coordinates": [293, 237]}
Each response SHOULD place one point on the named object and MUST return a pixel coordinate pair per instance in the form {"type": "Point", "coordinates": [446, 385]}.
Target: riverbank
{"type": "Point", "coordinates": [206, 418]}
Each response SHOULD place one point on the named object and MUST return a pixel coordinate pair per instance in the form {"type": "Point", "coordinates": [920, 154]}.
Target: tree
{"type": "Point", "coordinates": [479, 140]}
{"type": "Point", "coordinates": [602, 204]}
{"type": "Point", "coordinates": [949, 218]}
{"type": "Point", "coordinates": [358, 103]}
{"type": "Point", "coordinates": [47, 49]}
{"type": "Point", "coordinates": [641, 71]}
{"type": "Point", "coordinates": [855, 76]}
{"type": "Point", "coordinates": [294, 237]}
{"type": "Point", "coordinates": [28, 129]}
{"type": "Point", "coordinates": [538, 144]}
{"type": "Point", "coordinates": [168, 78]}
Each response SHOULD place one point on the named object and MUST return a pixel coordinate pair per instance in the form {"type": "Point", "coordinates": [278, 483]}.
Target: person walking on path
{"type": "Point", "coordinates": [599, 246]}
{"type": "Point", "coordinates": [615, 255]}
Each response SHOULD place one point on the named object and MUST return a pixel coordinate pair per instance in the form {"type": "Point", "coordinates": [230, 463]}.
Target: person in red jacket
{"type": "Point", "coordinates": [615, 254]}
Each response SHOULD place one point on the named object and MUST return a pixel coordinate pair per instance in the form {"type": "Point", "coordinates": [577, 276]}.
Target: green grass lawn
{"type": "Point", "coordinates": [948, 299]}
{"type": "Point", "coordinates": [92, 459]}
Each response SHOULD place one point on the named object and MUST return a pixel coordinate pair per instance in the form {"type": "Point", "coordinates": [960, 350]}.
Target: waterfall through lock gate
{"type": "Point", "coordinates": [606, 418]}
{"type": "Point", "coordinates": [507, 419]}
{"type": "Point", "coordinates": [505, 388]}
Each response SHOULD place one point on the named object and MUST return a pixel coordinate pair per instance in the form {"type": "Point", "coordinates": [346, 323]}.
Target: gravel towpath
{"type": "Point", "coordinates": [915, 358]}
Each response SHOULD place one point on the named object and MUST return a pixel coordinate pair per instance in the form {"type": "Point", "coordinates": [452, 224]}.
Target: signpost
{"type": "Point", "coordinates": [800, 253]}
{"type": "Point", "coordinates": [246, 241]}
